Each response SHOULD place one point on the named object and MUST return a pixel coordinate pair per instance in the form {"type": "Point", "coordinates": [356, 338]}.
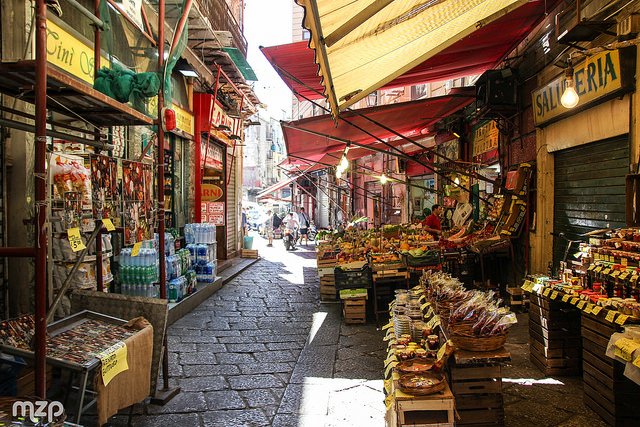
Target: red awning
{"type": "Point", "coordinates": [476, 53]}
{"type": "Point", "coordinates": [411, 119]}
{"type": "Point", "coordinates": [275, 187]}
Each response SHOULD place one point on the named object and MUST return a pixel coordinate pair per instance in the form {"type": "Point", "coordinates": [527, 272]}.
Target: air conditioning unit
{"type": "Point", "coordinates": [498, 90]}
{"type": "Point", "coordinates": [629, 25]}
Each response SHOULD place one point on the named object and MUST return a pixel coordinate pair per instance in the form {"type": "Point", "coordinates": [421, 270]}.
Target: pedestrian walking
{"type": "Point", "coordinates": [305, 223]}
{"type": "Point", "coordinates": [268, 227]}
{"type": "Point", "coordinates": [244, 221]}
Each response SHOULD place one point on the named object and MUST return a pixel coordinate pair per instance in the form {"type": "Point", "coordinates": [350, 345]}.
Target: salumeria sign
{"type": "Point", "coordinates": [597, 76]}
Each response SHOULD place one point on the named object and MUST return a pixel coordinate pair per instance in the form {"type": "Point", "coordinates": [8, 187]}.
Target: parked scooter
{"type": "Point", "coordinates": [312, 231]}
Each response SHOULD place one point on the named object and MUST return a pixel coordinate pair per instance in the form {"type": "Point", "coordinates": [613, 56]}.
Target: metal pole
{"type": "Point", "coordinates": [40, 243]}
{"type": "Point", "coordinates": [160, 156]}
{"type": "Point", "coordinates": [67, 137]}
{"type": "Point", "coordinates": [180, 27]}
{"type": "Point", "coordinates": [93, 18]}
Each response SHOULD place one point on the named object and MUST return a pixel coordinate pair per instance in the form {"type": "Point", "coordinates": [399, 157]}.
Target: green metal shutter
{"type": "Point", "coordinates": [589, 190]}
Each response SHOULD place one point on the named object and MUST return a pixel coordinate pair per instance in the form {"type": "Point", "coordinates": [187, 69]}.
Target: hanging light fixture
{"type": "Point", "coordinates": [383, 179]}
{"type": "Point", "coordinates": [339, 173]}
{"type": "Point", "coordinates": [570, 97]}
{"type": "Point", "coordinates": [344, 163]}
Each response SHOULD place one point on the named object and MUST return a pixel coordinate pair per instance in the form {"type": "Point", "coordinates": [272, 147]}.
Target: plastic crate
{"type": "Point", "coordinates": [354, 278]}
{"type": "Point", "coordinates": [9, 370]}
{"type": "Point", "coordinates": [429, 261]}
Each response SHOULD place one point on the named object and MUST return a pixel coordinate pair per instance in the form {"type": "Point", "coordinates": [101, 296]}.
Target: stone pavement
{"type": "Point", "coordinates": [264, 351]}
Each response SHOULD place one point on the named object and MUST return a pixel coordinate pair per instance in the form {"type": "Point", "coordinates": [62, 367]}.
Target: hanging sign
{"type": "Point", "coordinates": [212, 158]}
{"type": "Point", "coordinates": [114, 361]}
{"type": "Point", "coordinates": [598, 78]}
{"type": "Point", "coordinates": [211, 192]}
{"type": "Point", "coordinates": [485, 141]}
{"type": "Point", "coordinates": [75, 240]}
{"type": "Point", "coordinates": [184, 119]}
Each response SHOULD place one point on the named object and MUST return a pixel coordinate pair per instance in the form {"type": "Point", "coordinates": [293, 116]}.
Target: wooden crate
{"type": "Point", "coordinates": [354, 311]}
{"type": "Point", "coordinates": [477, 388]}
{"type": "Point", "coordinates": [554, 337]}
{"type": "Point", "coordinates": [26, 381]}
{"type": "Point", "coordinates": [249, 253]}
{"type": "Point", "coordinates": [426, 411]}
{"type": "Point", "coordinates": [517, 299]}
{"type": "Point", "coordinates": [607, 391]}
{"type": "Point", "coordinates": [327, 262]}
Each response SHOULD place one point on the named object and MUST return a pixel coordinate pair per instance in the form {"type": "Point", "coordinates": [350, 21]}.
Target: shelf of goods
{"type": "Point", "coordinates": [606, 390]}
{"type": "Point", "coordinates": [554, 336]}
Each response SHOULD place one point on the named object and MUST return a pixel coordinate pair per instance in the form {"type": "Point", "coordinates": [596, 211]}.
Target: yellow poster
{"type": "Point", "coordinates": [114, 361]}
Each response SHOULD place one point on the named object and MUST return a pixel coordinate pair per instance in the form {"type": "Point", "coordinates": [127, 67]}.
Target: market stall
{"type": "Point", "coordinates": [445, 354]}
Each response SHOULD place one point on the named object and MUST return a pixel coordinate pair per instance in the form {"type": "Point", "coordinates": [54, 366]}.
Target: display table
{"type": "Point", "coordinates": [75, 343]}
{"type": "Point", "coordinates": [476, 382]}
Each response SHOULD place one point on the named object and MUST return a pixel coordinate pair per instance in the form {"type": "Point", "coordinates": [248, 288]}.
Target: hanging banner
{"type": "Point", "coordinates": [211, 192]}
{"type": "Point", "coordinates": [133, 9]}
{"type": "Point", "coordinates": [598, 78]}
{"type": "Point", "coordinates": [486, 138]}
{"type": "Point", "coordinates": [212, 158]}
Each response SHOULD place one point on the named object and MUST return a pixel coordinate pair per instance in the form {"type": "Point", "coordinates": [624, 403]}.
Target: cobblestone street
{"type": "Point", "coordinates": [264, 351]}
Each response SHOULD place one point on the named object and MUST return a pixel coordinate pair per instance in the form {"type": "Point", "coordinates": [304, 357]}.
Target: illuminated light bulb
{"type": "Point", "coordinates": [383, 179]}
{"type": "Point", "coordinates": [570, 97]}
{"type": "Point", "coordinates": [339, 173]}
{"type": "Point", "coordinates": [344, 163]}
{"type": "Point", "coordinates": [457, 181]}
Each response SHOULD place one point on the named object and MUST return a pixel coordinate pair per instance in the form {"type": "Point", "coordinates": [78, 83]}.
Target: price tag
{"type": "Point", "coordinates": [422, 298]}
{"type": "Point", "coordinates": [435, 321]}
{"type": "Point", "coordinates": [589, 308]}
{"type": "Point", "coordinates": [430, 312]}
{"type": "Point", "coordinates": [615, 273]}
{"type": "Point", "coordinates": [387, 386]}
{"type": "Point", "coordinates": [546, 292]}
{"type": "Point", "coordinates": [554, 294]}
{"type": "Point", "coordinates": [423, 306]}
{"type": "Point", "coordinates": [623, 261]}
{"type": "Point", "coordinates": [595, 310]}
{"type": "Point", "coordinates": [114, 361]}
{"type": "Point", "coordinates": [625, 348]}
{"type": "Point", "coordinates": [606, 271]}
{"type": "Point", "coordinates": [390, 359]}
{"type": "Point", "coordinates": [387, 326]}
{"type": "Point", "coordinates": [388, 402]}
{"type": "Point", "coordinates": [581, 304]}
{"type": "Point", "coordinates": [136, 249]}
{"type": "Point", "coordinates": [637, 362]}
{"type": "Point", "coordinates": [596, 256]}
{"type": "Point", "coordinates": [565, 297]}
{"type": "Point", "coordinates": [621, 319]}
{"type": "Point", "coordinates": [390, 366]}
{"type": "Point", "coordinates": [441, 351]}
{"type": "Point", "coordinates": [75, 240]}
{"type": "Point", "coordinates": [598, 269]}
{"type": "Point", "coordinates": [107, 223]}
{"type": "Point", "coordinates": [624, 275]}
{"type": "Point", "coordinates": [611, 315]}
{"type": "Point", "coordinates": [574, 300]}
{"type": "Point", "coordinates": [611, 258]}
{"type": "Point", "coordinates": [591, 267]}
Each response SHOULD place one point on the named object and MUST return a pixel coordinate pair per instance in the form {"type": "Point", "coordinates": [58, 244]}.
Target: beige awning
{"type": "Point", "coordinates": [362, 45]}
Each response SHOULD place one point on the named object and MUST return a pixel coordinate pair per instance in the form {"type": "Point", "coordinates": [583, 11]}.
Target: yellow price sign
{"type": "Point", "coordinates": [611, 315]}
{"type": "Point", "coordinates": [554, 294]}
{"type": "Point", "coordinates": [565, 297]}
{"type": "Point", "coordinates": [546, 292]}
{"type": "Point", "coordinates": [623, 261]}
{"type": "Point", "coordinates": [387, 386]}
{"type": "Point", "coordinates": [422, 298]}
{"type": "Point", "coordinates": [595, 310]}
{"type": "Point", "coordinates": [433, 322]}
{"type": "Point", "coordinates": [596, 256]}
{"type": "Point", "coordinates": [136, 249]}
{"type": "Point", "coordinates": [107, 223]}
{"type": "Point", "coordinates": [598, 269]}
{"type": "Point", "coordinates": [637, 362]}
{"type": "Point", "coordinates": [591, 267]}
{"type": "Point", "coordinates": [388, 325]}
{"type": "Point", "coordinates": [574, 301]}
{"type": "Point", "coordinates": [75, 240]}
{"type": "Point", "coordinates": [441, 351]}
{"type": "Point", "coordinates": [389, 360]}
{"type": "Point", "coordinates": [621, 319]}
{"type": "Point", "coordinates": [625, 348]}
{"type": "Point", "coordinates": [388, 402]}
{"type": "Point", "coordinates": [423, 306]}
{"type": "Point", "coordinates": [589, 308]}
{"type": "Point", "coordinates": [606, 271]}
{"type": "Point", "coordinates": [624, 275]}
{"type": "Point", "coordinates": [615, 273]}
{"type": "Point", "coordinates": [390, 366]}
{"type": "Point", "coordinates": [114, 361]}
{"type": "Point", "coordinates": [581, 304]}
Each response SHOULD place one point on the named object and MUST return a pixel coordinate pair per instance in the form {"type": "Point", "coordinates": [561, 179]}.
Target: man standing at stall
{"type": "Point", "coordinates": [432, 222]}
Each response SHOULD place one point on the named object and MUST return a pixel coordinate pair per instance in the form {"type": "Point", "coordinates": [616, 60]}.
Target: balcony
{"type": "Point", "coordinates": [222, 20]}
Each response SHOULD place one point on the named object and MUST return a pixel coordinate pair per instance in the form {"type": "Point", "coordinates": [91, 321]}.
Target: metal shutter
{"type": "Point", "coordinates": [232, 208]}
{"type": "Point", "coordinates": [589, 190]}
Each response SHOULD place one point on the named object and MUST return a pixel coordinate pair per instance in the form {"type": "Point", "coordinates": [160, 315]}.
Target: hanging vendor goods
{"type": "Point", "coordinates": [137, 213]}
{"type": "Point", "coordinates": [106, 193]}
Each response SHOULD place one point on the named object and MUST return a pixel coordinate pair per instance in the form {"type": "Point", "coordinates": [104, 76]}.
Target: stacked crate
{"type": "Point", "coordinates": [478, 393]}
{"type": "Point", "coordinates": [606, 390]}
{"type": "Point", "coordinates": [354, 310]}
{"type": "Point", "coordinates": [326, 268]}
{"type": "Point", "coordinates": [554, 336]}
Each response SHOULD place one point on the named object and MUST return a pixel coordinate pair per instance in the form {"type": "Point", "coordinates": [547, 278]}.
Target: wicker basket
{"type": "Point", "coordinates": [463, 338]}
{"type": "Point", "coordinates": [415, 365]}
{"type": "Point", "coordinates": [407, 383]}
